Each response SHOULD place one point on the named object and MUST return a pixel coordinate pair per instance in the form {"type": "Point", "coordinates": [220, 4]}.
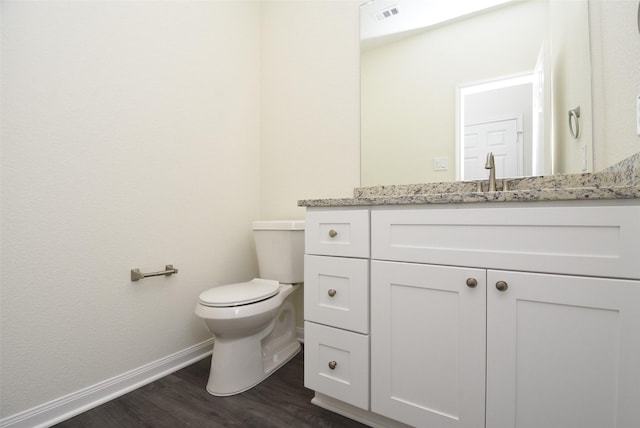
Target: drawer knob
{"type": "Point", "coordinates": [331, 292]}
{"type": "Point", "coordinates": [472, 282]}
{"type": "Point", "coordinates": [502, 286]}
{"type": "Point", "coordinates": [332, 365]}
{"type": "Point", "coordinates": [333, 233]}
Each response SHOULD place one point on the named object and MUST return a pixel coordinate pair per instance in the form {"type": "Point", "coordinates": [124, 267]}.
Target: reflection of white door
{"type": "Point", "coordinates": [500, 138]}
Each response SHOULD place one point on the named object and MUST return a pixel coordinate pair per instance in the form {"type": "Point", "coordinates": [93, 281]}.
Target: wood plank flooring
{"type": "Point", "coordinates": [181, 400]}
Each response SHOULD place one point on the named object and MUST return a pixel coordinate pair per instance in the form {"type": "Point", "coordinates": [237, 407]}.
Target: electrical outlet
{"type": "Point", "coordinates": [583, 157]}
{"type": "Point", "coordinates": [441, 164]}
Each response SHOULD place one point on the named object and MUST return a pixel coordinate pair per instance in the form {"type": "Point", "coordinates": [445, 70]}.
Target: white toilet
{"type": "Point", "coordinates": [254, 322]}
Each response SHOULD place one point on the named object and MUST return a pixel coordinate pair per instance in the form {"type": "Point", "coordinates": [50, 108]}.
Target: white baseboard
{"type": "Point", "coordinates": [66, 407]}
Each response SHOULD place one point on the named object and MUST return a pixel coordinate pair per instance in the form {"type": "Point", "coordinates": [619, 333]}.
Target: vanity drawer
{"type": "Point", "coordinates": [336, 363]}
{"type": "Point", "coordinates": [336, 292]}
{"type": "Point", "coordinates": [337, 232]}
{"type": "Point", "coordinates": [582, 240]}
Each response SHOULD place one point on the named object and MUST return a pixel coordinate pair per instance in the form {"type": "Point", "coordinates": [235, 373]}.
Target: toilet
{"type": "Point", "coordinates": [254, 322]}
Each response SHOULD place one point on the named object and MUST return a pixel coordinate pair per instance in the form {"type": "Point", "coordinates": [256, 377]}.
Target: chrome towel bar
{"type": "Point", "coordinates": [136, 275]}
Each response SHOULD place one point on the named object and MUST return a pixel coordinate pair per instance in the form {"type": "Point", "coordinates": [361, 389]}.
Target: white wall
{"type": "Point", "coordinates": [130, 138]}
{"type": "Point", "coordinates": [615, 53]}
{"type": "Point", "coordinates": [136, 134]}
{"type": "Point", "coordinates": [571, 65]}
{"type": "Point", "coordinates": [310, 103]}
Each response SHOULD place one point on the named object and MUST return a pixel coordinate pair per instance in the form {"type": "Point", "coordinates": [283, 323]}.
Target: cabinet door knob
{"type": "Point", "coordinates": [333, 233]}
{"type": "Point", "coordinates": [331, 292]}
{"type": "Point", "coordinates": [502, 286]}
{"type": "Point", "coordinates": [472, 282]}
{"type": "Point", "coordinates": [332, 365]}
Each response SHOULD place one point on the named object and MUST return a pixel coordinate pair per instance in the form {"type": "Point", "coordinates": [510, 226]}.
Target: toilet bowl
{"type": "Point", "coordinates": [254, 322]}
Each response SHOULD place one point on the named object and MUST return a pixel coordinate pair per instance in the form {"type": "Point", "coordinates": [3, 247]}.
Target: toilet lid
{"type": "Point", "coordinates": [242, 293]}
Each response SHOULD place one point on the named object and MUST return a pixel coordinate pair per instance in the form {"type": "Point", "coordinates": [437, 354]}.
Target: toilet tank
{"type": "Point", "coordinates": [280, 250]}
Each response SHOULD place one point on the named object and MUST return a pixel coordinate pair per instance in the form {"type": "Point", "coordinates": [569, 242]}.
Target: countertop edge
{"type": "Point", "coordinates": [532, 195]}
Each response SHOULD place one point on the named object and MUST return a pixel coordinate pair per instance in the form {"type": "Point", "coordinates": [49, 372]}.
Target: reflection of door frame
{"type": "Point", "coordinates": [473, 88]}
{"type": "Point", "coordinates": [519, 118]}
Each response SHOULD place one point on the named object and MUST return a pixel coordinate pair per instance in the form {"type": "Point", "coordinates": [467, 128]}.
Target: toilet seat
{"type": "Point", "coordinates": [241, 293]}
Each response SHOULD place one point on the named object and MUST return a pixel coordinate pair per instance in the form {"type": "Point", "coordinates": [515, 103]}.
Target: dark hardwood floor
{"type": "Point", "coordinates": [181, 400]}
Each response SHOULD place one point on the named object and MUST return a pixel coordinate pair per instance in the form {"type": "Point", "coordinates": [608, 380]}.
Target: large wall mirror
{"type": "Point", "coordinates": [443, 82]}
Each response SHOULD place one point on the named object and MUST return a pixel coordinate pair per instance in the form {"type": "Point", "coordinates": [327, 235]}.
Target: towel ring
{"type": "Point", "coordinates": [574, 122]}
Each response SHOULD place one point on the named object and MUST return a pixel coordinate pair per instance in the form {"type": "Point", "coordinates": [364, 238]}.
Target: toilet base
{"type": "Point", "coordinates": [239, 364]}
{"type": "Point", "coordinates": [214, 388]}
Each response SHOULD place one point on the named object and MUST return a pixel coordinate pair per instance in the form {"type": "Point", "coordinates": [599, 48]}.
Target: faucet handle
{"type": "Point", "coordinates": [490, 163]}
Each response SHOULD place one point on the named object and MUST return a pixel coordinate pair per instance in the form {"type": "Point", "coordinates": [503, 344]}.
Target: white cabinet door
{"type": "Point", "coordinates": [428, 344]}
{"type": "Point", "coordinates": [562, 352]}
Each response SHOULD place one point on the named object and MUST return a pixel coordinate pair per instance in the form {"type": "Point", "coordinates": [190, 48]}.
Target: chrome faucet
{"type": "Point", "coordinates": [491, 166]}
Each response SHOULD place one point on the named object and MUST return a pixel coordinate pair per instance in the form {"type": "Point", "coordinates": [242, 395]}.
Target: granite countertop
{"type": "Point", "coordinates": [620, 181]}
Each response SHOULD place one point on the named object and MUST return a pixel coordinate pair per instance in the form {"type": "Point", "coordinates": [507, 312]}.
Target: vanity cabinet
{"type": "Point", "coordinates": [496, 344]}
{"type": "Point", "coordinates": [336, 304]}
{"type": "Point", "coordinates": [496, 316]}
